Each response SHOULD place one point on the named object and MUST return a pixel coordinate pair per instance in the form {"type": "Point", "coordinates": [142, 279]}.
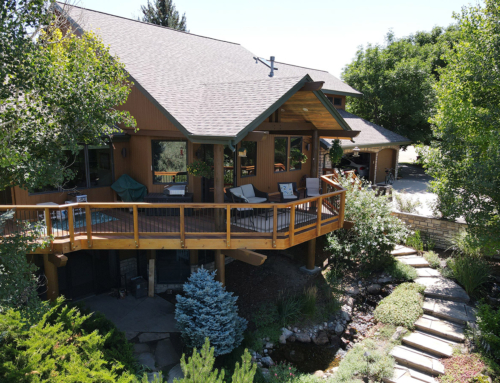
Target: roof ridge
{"type": "Point", "coordinates": [146, 23]}
{"type": "Point", "coordinates": [303, 67]}
{"type": "Point", "coordinates": [254, 79]}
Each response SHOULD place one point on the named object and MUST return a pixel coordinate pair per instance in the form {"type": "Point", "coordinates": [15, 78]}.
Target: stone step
{"type": "Point", "coordinates": [418, 361]}
{"type": "Point", "coordinates": [442, 288]}
{"type": "Point", "coordinates": [413, 260]}
{"type": "Point", "coordinates": [452, 311]}
{"type": "Point", "coordinates": [442, 328]}
{"type": "Point", "coordinates": [403, 250]}
{"type": "Point", "coordinates": [429, 344]}
{"type": "Point", "coordinates": [426, 272]}
{"type": "Point", "coordinates": [404, 374]}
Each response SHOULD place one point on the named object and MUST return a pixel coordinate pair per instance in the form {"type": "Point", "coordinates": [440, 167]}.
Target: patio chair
{"type": "Point", "coordinates": [248, 194]}
{"type": "Point", "coordinates": [313, 187]}
{"type": "Point", "coordinates": [288, 191]}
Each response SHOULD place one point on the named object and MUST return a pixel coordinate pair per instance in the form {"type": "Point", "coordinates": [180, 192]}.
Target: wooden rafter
{"type": "Point", "coordinates": [247, 256]}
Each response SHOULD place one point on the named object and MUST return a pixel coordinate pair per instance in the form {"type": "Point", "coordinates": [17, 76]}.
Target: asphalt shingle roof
{"type": "Point", "coordinates": [210, 87]}
{"type": "Point", "coordinates": [370, 134]}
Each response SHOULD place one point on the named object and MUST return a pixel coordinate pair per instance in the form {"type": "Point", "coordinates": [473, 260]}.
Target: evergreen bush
{"type": "Point", "coordinates": [207, 310]}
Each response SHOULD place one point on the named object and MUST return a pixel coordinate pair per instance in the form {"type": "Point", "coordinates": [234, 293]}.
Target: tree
{"type": "Point", "coordinates": [207, 310]}
{"type": "Point", "coordinates": [58, 91]}
{"type": "Point", "coordinates": [397, 81]}
{"type": "Point", "coordinates": [164, 13]}
{"type": "Point", "coordinates": [464, 157]}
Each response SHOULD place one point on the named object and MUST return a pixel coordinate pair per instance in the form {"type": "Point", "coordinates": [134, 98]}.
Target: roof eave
{"type": "Point", "coordinates": [339, 93]}
{"type": "Point", "coordinates": [326, 145]}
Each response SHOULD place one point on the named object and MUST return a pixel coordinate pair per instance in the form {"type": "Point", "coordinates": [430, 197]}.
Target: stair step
{"type": "Point", "coordinates": [403, 250]}
{"type": "Point", "coordinates": [418, 361]}
{"type": "Point", "coordinates": [404, 374]}
{"type": "Point", "coordinates": [427, 272]}
{"type": "Point", "coordinates": [453, 311]}
{"type": "Point", "coordinates": [413, 260]}
{"type": "Point", "coordinates": [442, 328]}
{"type": "Point", "coordinates": [442, 288]}
{"type": "Point", "coordinates": [429, 344]}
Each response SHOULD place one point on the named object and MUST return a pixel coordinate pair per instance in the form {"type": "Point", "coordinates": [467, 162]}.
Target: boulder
{"type": "Point", "coordinates": [292, 338]}
{"type": "Point", "coordinates": [267, 361]}
{"type": "Point", "coordinates": [374, 289]}
{"type": "Point", "coordinates": [269, 345]}
{"type": "Point", "coordinates": [353, 290]}
{"type": "Point", "coordinates": [318, 374]}
{"type": "Point", "coordinates": [339, 329]}
{"type": "Point", "coordinates": [400, 331]}
{"type": "Point", "coordinates": [286, 333]}
{"type": "Point", "coordinates": [346, 316]}
{"type": "Point", "coordinates": [321, 338]}
{"type": "Point", "coordinates": [283, 339]}
{"type": "Point", "coordinates": [303, 338]}
{"type": "Point", "coordinates": [347, 300]}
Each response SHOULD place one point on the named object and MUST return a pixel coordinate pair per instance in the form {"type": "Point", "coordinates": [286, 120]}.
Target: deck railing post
{"type": "Point", "coordinates": [228, 226]}
{"type": "Point", "coordinates": [88, 219]}
{"type": "Point", "coordinates": [71, 227]}
{"type": "Point", "coordinates": [136, 225]}
{"type": "Point", "coordinates": [275, 225]}
{"type": "Point", "coordinates": [342, 209]}
{"type": "Point", "coordinates": [318, 221]}
{"type": "Point", "coordinates": [48, 222]}
{"type": "Point", "coordinates": [182, 227]}
{"type": "Point", "coordinates": [291, 228]}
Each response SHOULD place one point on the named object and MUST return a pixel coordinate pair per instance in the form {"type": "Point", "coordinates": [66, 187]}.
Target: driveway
{"type": "Point", "coordinates": [414, 184]}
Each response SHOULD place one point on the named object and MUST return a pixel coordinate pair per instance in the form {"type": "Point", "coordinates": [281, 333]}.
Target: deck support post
{"type": "Point", "coordinates": [219, 185]}
{"type": "Point", "coordinates": [193, 260]}
{"type": "Point", "coordinates": [311, 254]}
{"type": "Point", "coordinates": [151, 273]}
{"type": "Point", "coordinates": [315, 154]}
{"type": "Point", "coordinates": [50, 270]}
{"type": "Point", "coordinates": [220, 266]}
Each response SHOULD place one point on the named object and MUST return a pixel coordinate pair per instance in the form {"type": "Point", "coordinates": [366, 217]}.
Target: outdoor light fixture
{"type": "Point", "coordinates": [356, 152]}
{"type": "Point", "coordinates": [242, 152]}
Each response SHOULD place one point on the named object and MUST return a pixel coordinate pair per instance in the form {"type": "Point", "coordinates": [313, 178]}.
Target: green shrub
{"type": "Point", "coordinates": [59, 348]}
{"type": "Point", "coordinates": [378, 365]}
{"type": "Point", "coordinates": [282, 373]}
{"type": "Point", "coordinates": [288, 308]}
{"type": "Point", "coordinates": [268, 326]}
{"type": "Point", "coordinates": [309, 301]}
{"type": "Point", "coordinates": [415, 241]}
{"type": "Point", "coordinates": [401, 271]}
{"type": "Point", "coordinates": [471, 272]}
{"type": "Point", "coordinates": [433, 259]}
{"type": "Point", "coordinates": [403, 307]}
{"type": "Point", "coordinates": [406, 204]}
{"type": "Point", "coordinates": [375, 233]}
{"type": "Point", "coordinates": [488, 323]}
{"type": "Point", "coordinates": [199, 368]}
{"type": "Point", "coordinates": [429, 242]}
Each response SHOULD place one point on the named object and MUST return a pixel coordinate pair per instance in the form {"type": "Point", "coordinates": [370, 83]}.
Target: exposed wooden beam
{"type": "Point", "coordinates": [247, 256]}
{"type": "Point", "coordinates": [310, 86]}
{"type": "Point", "coordinates": [59, 260]}
{"type": "Point", "coordinates": [256, 136]}
{"type": "Point", "coordinates": [324, 133]}
{"type": "Point", "coordinates": [157, 133]}
{"type": "Point", "coordinates": [273, 126]}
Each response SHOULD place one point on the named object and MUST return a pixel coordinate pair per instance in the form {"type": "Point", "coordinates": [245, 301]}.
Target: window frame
{"type": "Point", "coordinates": [286, 154]}
{"type": "Point", "coordinates": [337, 101]}
{"type": "Point", "coordinates": [153, 161]}
{"type": "Point", "coordinates": [256, 158]}
{"type": "Point", "coordinates": [290, 151]}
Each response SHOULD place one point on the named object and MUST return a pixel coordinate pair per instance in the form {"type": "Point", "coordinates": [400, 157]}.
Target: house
{"type": "Point", "coordinates": [194, 99]}
{"type": "Point", "coordinates": [378, 147]}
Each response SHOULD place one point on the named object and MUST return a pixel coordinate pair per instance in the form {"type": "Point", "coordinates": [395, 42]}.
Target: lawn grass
{"type": "Point", "coordinates": [403, 307]}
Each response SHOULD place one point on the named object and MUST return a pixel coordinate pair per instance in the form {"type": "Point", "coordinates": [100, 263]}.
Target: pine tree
{"type": "Point", "coordinates": [207, 310]}
{"type": "Point", "coordinates": [164, 13]}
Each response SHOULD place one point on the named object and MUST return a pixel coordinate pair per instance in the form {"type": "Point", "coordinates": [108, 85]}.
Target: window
{"type": "Point", "coordinates": [337, 101]}
{"type": "Point", "coordinates": [330, 98]}
{"type": "Point", "coordinates": [76, 163]}
{"type": "Point", "coordinates": [100, 172]}
{"type": "Point", "coordinates": [169, 162]}
{"type": "Point", "coordinates": [296, 153]}
{"type": "Point", "coordinates": [248, 164]}
{"type": "Point", "coordinates": [280, 154]}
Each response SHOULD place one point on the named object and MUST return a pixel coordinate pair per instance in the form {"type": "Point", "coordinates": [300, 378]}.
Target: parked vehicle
{"type": "Point", "coordinates": [357, 164]}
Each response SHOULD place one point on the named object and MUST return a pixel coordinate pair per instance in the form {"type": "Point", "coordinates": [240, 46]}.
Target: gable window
{"type": "Point", "coordinates": [169, 162]}
{"type": "Point", "coordinates": [337, 101]}
{"type": "Point", "coordinates": [295, 153]}
{"type": "Point", "coordinates": [280, 154]}
{"type": "Point", "coordinates": [248, 164]}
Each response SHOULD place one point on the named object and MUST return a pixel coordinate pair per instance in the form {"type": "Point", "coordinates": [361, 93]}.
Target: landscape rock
{"type": "Point", "coordinates": [304, 338]}
{"type": "Point", "coordinates": [321, 338]}
{"type": "Point", "coordinates": [353, 290]}
{"type": "Point", "coordinates": [292, 338]}
{"type": "Point", "coordinates": [339, 329]}
{"type": "Point", "coordinates": [153, 336]}
{"type": "Point", "coordinates": [400, 331]}
{"type": "Point", "coordinates": [319, 374]}
{"type": "Point", "coordinates": [269, 345]}
{"type": "Point", "coordinates": [140, 348]}
{"type": "Point", "coordinates": [374, 289]}
{"type": "Point", "coordinates": [346, 316]}
{"type": "Point", "coordinates": [286, 332]}
{"type": "Point", "coordinates": [283, 339]}
{"type": "Point", "coordinates": [129, 335]}
{"type": "Point", "coordinates": [147, 359]}
{"type": "Point", "coordinates": [349, 301]}
{"type": "Point", "coordinates": [267, 361]}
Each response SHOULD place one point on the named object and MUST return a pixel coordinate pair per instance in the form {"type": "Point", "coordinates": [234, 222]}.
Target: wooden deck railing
{"type": "Point", "coordinates": [185, 226]}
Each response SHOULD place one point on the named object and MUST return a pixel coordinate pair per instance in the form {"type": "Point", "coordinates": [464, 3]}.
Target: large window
{"type": "Point", "coordinates": [295, 153]}
{"type": "Point", "coordinates": [169, 162]}
{"type": "Point", "coordinates": [280, 154]}
{"type": "Point", "coordinates": [249, 163]}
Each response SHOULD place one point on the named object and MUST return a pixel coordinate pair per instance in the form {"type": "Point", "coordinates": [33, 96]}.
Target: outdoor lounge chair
{"type": "Point", "coordinates": [313, 187]}
{"type": "Point", "coordinates": [288, 191]}
{"type": "Point", "coordinates": [249, 194]}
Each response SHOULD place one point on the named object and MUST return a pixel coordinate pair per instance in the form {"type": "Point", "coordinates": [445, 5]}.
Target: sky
{"type": "Point", "coordinates": [319, 34]}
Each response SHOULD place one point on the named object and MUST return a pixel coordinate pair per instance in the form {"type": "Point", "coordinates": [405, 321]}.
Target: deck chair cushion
{"type": "Point", "coordinates": [238, 193]}
{"type": "Point", "coordinates": [312, 186]}
{"type": "Point", "coordinates": [256, 199]}
{"type": "Point", "coordinates": [248, 191]}
{"type": "Point", "coordinates": [293, 196]}
{"type": "Point", "coordinates": [287, 190]}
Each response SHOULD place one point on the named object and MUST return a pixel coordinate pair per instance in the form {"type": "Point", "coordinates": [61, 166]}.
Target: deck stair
{"type": "Point", "coordinates": [438, 331]}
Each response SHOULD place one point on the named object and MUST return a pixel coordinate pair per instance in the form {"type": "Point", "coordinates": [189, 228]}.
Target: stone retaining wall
{"type": "Point", "coordinates": [440, 230]}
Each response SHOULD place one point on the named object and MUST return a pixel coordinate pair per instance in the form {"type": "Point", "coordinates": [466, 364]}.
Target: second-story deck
{"type": "Point", "coordinates": [214, 226]}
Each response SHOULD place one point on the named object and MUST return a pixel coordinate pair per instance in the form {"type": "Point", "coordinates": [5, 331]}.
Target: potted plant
{"type": "Point", "coordinates": [297, 157]}
{"type": "Point", "coordinates": [199, 168]}
{"type": "Point", "coordinates": [335, 153]}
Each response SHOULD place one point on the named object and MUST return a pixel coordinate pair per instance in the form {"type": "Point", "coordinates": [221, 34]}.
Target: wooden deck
{"type": "Point", "coordinates": [185, 226]}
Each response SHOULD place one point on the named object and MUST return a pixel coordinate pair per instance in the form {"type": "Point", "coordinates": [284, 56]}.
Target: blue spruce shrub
{"type": "Point", "coordinates": [208, 310]}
